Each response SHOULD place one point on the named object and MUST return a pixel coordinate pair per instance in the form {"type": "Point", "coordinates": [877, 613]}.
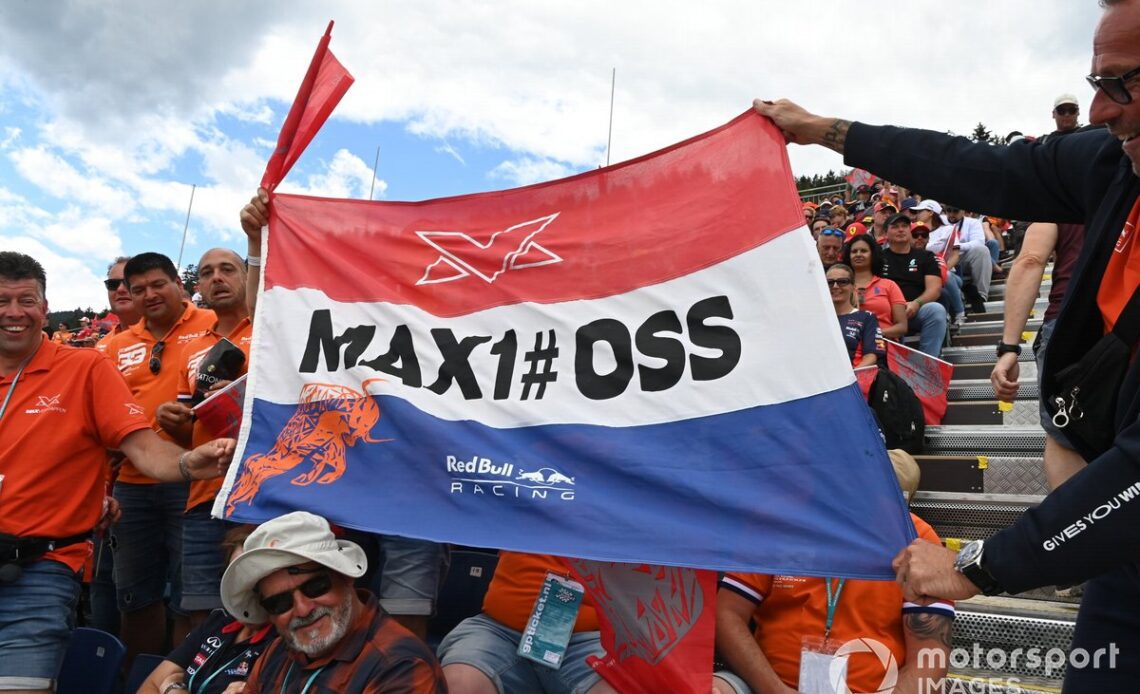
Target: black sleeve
{"type": "Point", "coordinates": [1056, 181]}
{"type": "Point", "coordinates": [184, 653]}
{"type": "Point", "coordinates": [930, 265]}
{"type": "Point", "coordinates": [1085, 527]}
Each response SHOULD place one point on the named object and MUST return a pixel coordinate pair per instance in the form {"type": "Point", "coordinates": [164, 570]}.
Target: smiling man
{"type": "Point", "coordinates": [295, 574]}
{"type": "Point", "coordinates": [119, 299]}
{"type": "Point", "coordinates": [1091, 177]}
{"type": "Point", "coordinates": [62, 410]}
{"type": "Point", "coordinates": [147, 540]}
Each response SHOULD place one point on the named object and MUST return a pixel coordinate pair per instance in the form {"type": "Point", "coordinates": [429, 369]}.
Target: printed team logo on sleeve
{"type": "Point", "coordinates": [193, 362]}
{"type": "Point", "coordinates": [133, 408]}
{"type": "Point", "coordinates": [513, 248]}
{"type": "Point", "coordinates": [132, 356]}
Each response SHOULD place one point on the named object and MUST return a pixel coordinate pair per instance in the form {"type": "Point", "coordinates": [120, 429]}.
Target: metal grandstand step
{"type": "Point", "coordinates": [982, 474]}
{"type": "Point", "coordinates": [992, 413]}
{"type": "Point", "coordinates": [990, 338]}
{"type": "Point", "coordinates": [970, 389]}
{"type": "Point", "coordinates": [974, 355]}
{"type": "Point", "coordinates": [974, 440]}
{"type": "Point", "coordinates": [992, 326]}
{"type": "Point", "coordinates": [963, 516]}
{"type": "Point", "coordinates": [982, 370]}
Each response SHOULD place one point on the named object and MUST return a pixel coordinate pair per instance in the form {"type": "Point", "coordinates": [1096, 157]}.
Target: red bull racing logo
{"type": "Point", "coordinates": [329, 419]}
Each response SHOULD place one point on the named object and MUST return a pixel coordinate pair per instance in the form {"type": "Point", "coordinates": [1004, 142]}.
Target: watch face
{"type": "Point", "coordinates": [969, 553]}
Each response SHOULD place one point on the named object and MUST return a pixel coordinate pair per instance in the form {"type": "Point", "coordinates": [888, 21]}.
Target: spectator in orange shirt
{"type": "Point", "coordinates": [63, 409]}
{"type": "Point", "coordinates": [480, 656]}
{"type": "Point", "coordinates": [222, 281]}
{"type": "Point", "coordinates": [788, 609]}
{"type": "Point", "coordinates": [876, 293]}
{"type": "Point", "coordinates": [147, 539]}
{"type": "Point", "coordinates": [119, 299]}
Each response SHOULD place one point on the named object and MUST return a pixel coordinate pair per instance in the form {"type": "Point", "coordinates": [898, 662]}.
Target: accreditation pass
{"type": "Point", "coordinates": [551, 622]}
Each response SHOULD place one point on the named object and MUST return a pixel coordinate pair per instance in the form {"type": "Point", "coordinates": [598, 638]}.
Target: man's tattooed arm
{"type": "Point", "coordinates": [836, 135]}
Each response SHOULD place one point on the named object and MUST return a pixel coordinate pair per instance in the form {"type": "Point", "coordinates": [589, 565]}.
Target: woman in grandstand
{"type": "Point", "coordinates": [860, 329]}
{"type": "Point", "coordinates": [876, 294]}
{"type": "Point", "coordinates": [219, 652]}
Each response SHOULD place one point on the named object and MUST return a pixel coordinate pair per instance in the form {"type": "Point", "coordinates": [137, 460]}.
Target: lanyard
{"type": "Point", "coordinates": [20, 372]}
{"type": "Point", "coordinates": [308, 684]}
{"type": "Point", "coordinates": [206, 684]}
{"type": "Point", "coordinates": [832, 604]}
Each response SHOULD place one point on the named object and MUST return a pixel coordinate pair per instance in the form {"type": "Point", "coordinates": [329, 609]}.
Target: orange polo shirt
{"type": "Point", "coordinates": [131, 351]}
{"type": "Point", "coordinates": [516, 585]}
{"type": "Point", "coordinates": [1122, 275]}
{"type": "Point", "coordinates": [67, 409]}
{"type": "Point", "coordinates": [202, 491]}
{"type": "Point", "coordinates": [104, 341]}
{"type": "Point", "coordinates": [789, 608]}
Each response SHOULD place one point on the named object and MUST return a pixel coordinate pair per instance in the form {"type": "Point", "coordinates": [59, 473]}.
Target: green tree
{"type": "Point", "coordinates": [190, 279]}
{"type": "Point", "coordinates": [982, 134]}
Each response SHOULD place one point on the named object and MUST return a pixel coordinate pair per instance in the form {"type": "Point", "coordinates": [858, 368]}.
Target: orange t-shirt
{"type": "Point", "coordinates": [202, 491]}
{"type": "Point", "coordinates": [789, 608]}
{"type": "Point", "coordinates": [1122, 275]}
{"type": "Point", "coordinates": [101, 345]}
{"type": "Point", "coordinates": [131, 350]}
{"type": "Point", "coordinates": [67, 409]}
{"type": "Point", "coordinates": [880, 297]}
{"type": "Point", "coordinates": [517, 582]}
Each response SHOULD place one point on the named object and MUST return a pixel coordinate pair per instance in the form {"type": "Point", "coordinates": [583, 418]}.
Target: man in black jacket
{"type": "Point", "coordinates": [1089, 527]}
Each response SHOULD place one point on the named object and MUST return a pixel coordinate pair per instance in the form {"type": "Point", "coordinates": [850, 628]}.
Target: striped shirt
{"type": "Point", "coordinates": [376, 655]}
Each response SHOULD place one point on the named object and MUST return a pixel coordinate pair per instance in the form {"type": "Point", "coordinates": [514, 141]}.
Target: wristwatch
{"type": "Point", "coordinates": [1004, 348]}
{"type": "Point", "coordinates": [969, 564]}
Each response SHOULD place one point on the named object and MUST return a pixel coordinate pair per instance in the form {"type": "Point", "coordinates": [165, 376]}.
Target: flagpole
{"type": "Point", "coordinates": [374, 167]}
{"type": "Point", "coordinates": [610, 136]}
{"type": "Point", "coordinates": [186, 226]}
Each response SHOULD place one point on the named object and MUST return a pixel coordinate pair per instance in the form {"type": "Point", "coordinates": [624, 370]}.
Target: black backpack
{"type": "Point", "coordinates": [898, 411]}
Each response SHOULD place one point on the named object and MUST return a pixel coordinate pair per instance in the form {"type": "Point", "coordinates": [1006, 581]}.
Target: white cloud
{"type": "Point", "coordinates": [11, 134]}
{"type": "Point", "coordinates": [57, 177]}
{"type": "Point", "coordinates": [346, 176]}
{"type": "Point", "coordinates": [450, 151]}
{"type": "Point", "coordinates": [70, 282]}
{"type": "Point", "coordinates": [522, 172]}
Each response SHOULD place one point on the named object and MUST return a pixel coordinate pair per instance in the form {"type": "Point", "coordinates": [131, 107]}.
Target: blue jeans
{"type": "Point", "coordinates": [404, 574]}
{"type": "Point", "coordinates": [148, 543]}
{"type": "Point", "coordinates": [36, 619]}
{"type": "Point", "coordinates": [994, 248]}
{"type": "Point", "coordinates": [952, 294]}
{"type": "Point", "coordinates": [491, 648]}
{"type": "Point", "coordinates": [930, 325]}
{"type": "Point", "coordinates": [202, 560]}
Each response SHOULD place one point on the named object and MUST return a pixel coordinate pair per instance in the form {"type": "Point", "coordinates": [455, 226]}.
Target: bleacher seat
{"type": "Point", "coordinates": [144, 664]}
{"type": "Point", "coordinates": [461, 595]}
{"type": "Point", "coordinates": [91, 664]}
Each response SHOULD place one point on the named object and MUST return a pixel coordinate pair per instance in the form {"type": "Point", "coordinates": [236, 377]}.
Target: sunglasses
{"type": "Point", "coordinates": [839, 282]}
{"type": "Point", "coordinates": [113, 284]}
{"type": "Point", "coordinates": [832, 232]}
{"type": "Point", "coordinates": [1115, 88]}
{"type": "Point", "coordinates": [921, 235]}
{"type": "Point", "coordinates": [951, 210]}
{"type": "Point", "coordinates": [315, 587]}
{"type": "Point", "coordinates": [1066, 110]}
{"type": "Point", "coordinates": [156, 357]}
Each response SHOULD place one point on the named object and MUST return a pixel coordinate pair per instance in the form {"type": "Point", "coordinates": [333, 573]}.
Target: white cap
{"type": "Point", "coordinates": [1066, 99]}
{"type": "Point", "coordinates": [928, 204]}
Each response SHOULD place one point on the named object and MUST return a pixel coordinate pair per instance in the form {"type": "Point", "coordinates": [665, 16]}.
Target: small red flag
{"type": "Point", "coordinates": [325, 83]}
{"type": "Point", "coordinates": [221, 412]}
{"type": "Point", "coordinates": [658, 624]}
{"type": "Point", "coordinates": [927, 376]}
{"type": "Point", "coordinates": [865, 375]}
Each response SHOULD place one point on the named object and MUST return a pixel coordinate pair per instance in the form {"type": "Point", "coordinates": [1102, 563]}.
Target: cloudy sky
{"type": "Point", "coordinates": [110, 111]}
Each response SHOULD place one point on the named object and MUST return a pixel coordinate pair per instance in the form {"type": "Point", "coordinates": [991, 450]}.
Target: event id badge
{"type": "Point", "coordinates": [821, 671]}
{"type": "Point", "coordinates": [551, 622]}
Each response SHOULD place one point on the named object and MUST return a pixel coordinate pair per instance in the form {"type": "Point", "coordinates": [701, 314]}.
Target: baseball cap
{"type": "Point", "coordinates": [880, 206]}
{"type": "Point", "coordinates": [1066, 99]}
{"type": "Point", "coordinates": [917, 227]}
{"type": "Point", "coordinates": [290, 540]}
{"type": "Point", "coordinates": [854, 229]}
{"type": "Point", "coordinates": [931, 205]}
{"type": "Point", "coordinates": [899, 217]}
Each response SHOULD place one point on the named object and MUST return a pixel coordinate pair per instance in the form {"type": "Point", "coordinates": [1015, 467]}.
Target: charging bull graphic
{"type": "Point", "coordinates": [329, 419]}
{"type": "Point", "coordinates": [650, 608]}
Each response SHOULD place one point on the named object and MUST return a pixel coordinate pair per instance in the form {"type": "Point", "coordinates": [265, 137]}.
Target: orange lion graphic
{"type": "Point", "coordinates": [329, 419]}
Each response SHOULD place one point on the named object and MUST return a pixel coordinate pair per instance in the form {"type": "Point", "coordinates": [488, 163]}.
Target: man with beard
{"type": "Point", "coordinates": [222, 282]}
{"type": "Point", "coordinates": [295, 574]}
{"type": "Point", "coordinates": [147, 540]}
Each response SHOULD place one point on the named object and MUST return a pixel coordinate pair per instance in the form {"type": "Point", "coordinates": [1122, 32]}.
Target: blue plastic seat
{"type": "Point", "coordinates": [461, 595]}
{"type": "Point", "coordinates": [91, 665]}
{"type": "Point", "coordinates": [144, 664]}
